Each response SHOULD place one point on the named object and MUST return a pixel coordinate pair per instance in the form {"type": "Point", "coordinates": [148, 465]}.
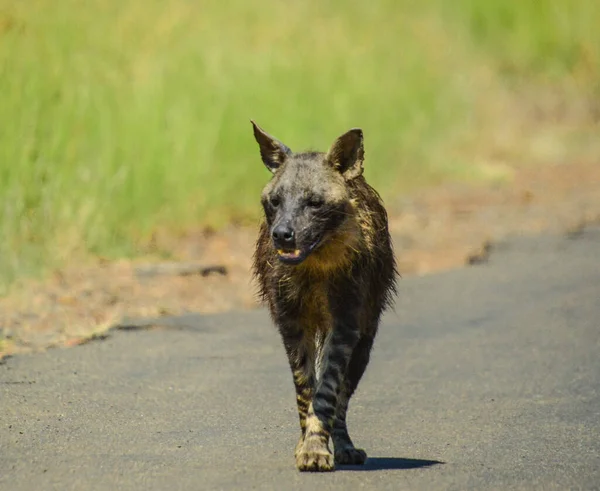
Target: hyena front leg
{"type": "Point", "coordinates": [314, 454]}
{"type": "Point", "coordinates": [345, 451]}
{"type": "Point", "coordinates": [300, 349]}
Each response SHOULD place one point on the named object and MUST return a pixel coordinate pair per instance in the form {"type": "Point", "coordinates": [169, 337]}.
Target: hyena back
{"type": "Point", "coordinates": [326, 269]}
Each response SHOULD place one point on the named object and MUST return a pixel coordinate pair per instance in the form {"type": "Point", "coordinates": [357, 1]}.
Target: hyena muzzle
{"type": "Point", "coordinates": [326, 269]}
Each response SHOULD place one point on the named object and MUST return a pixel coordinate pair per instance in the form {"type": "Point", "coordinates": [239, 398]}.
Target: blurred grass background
{"type": "Point", "coordinates": [122, 117]}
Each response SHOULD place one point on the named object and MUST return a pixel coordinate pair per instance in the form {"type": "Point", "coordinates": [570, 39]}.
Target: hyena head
{"type": "Point", "coordinates": [307, 203]}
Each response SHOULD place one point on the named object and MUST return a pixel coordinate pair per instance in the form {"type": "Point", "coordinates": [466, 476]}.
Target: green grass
{"type": "Point", "coordinates": [118, 118]}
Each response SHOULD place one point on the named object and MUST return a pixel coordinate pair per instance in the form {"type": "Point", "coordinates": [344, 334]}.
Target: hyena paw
{"type": "Point", "coordinates": [313, 456]}
{"type": "Point", "coordinates": [350, 456]}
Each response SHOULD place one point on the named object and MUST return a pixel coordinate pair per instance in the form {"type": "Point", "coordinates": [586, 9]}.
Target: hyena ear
{"type": "Point", "coordinates": [347, 154]}
{"type": "Point", "coordinates": [272, 151]}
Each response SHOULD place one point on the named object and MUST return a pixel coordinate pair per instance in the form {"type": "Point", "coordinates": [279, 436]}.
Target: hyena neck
{"type": "Point", "coordinates": [336, 255]}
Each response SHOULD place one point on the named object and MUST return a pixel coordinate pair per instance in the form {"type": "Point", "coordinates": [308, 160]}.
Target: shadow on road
{"type": "Point", "coordinates": [389, 463]}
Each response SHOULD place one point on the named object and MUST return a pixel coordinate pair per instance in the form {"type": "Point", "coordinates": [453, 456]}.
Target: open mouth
{"type": "Point", "coordinates": [296, 256]}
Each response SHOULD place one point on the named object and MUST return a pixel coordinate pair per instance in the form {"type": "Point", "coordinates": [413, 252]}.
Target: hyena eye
{"type": "Point", "coordinates": [315, 202]}
{"type": "Point", "coordinates": [275, 201]}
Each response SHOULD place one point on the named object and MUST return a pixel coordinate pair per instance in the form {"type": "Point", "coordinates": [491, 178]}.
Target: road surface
{"type": "Point", "coordinates": [486, 377]}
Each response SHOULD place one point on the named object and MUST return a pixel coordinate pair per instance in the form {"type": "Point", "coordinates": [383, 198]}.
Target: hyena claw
{"type": "Point", "coordinates": [314, 459]}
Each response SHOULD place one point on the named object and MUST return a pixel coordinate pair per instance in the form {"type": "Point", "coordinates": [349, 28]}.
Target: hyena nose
{"type": "Point", "coordinates": [283, 235]}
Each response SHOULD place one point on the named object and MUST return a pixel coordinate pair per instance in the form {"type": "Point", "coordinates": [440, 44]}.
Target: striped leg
{"type": "Point", "coordinates": [345, 452]}
{"type": "Point", "coordinates": [313, 453]}
{"type": "Point", "coordinates": [301, 356]}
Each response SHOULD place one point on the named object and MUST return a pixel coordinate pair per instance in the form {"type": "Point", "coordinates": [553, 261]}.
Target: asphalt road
{"type": "Point", "coordinates": [483, 378]}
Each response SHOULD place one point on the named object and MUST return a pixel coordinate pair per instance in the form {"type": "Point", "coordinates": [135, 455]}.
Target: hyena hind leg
{"type": "Point", "coordinates": [345, 451]}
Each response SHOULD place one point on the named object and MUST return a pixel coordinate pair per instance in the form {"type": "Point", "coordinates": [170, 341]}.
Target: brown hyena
{"type": "Point", "coordinates": [326, 269]}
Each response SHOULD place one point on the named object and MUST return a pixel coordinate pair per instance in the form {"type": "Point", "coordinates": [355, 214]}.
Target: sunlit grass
{"type": "Point", "coordinates": [118, 117]}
